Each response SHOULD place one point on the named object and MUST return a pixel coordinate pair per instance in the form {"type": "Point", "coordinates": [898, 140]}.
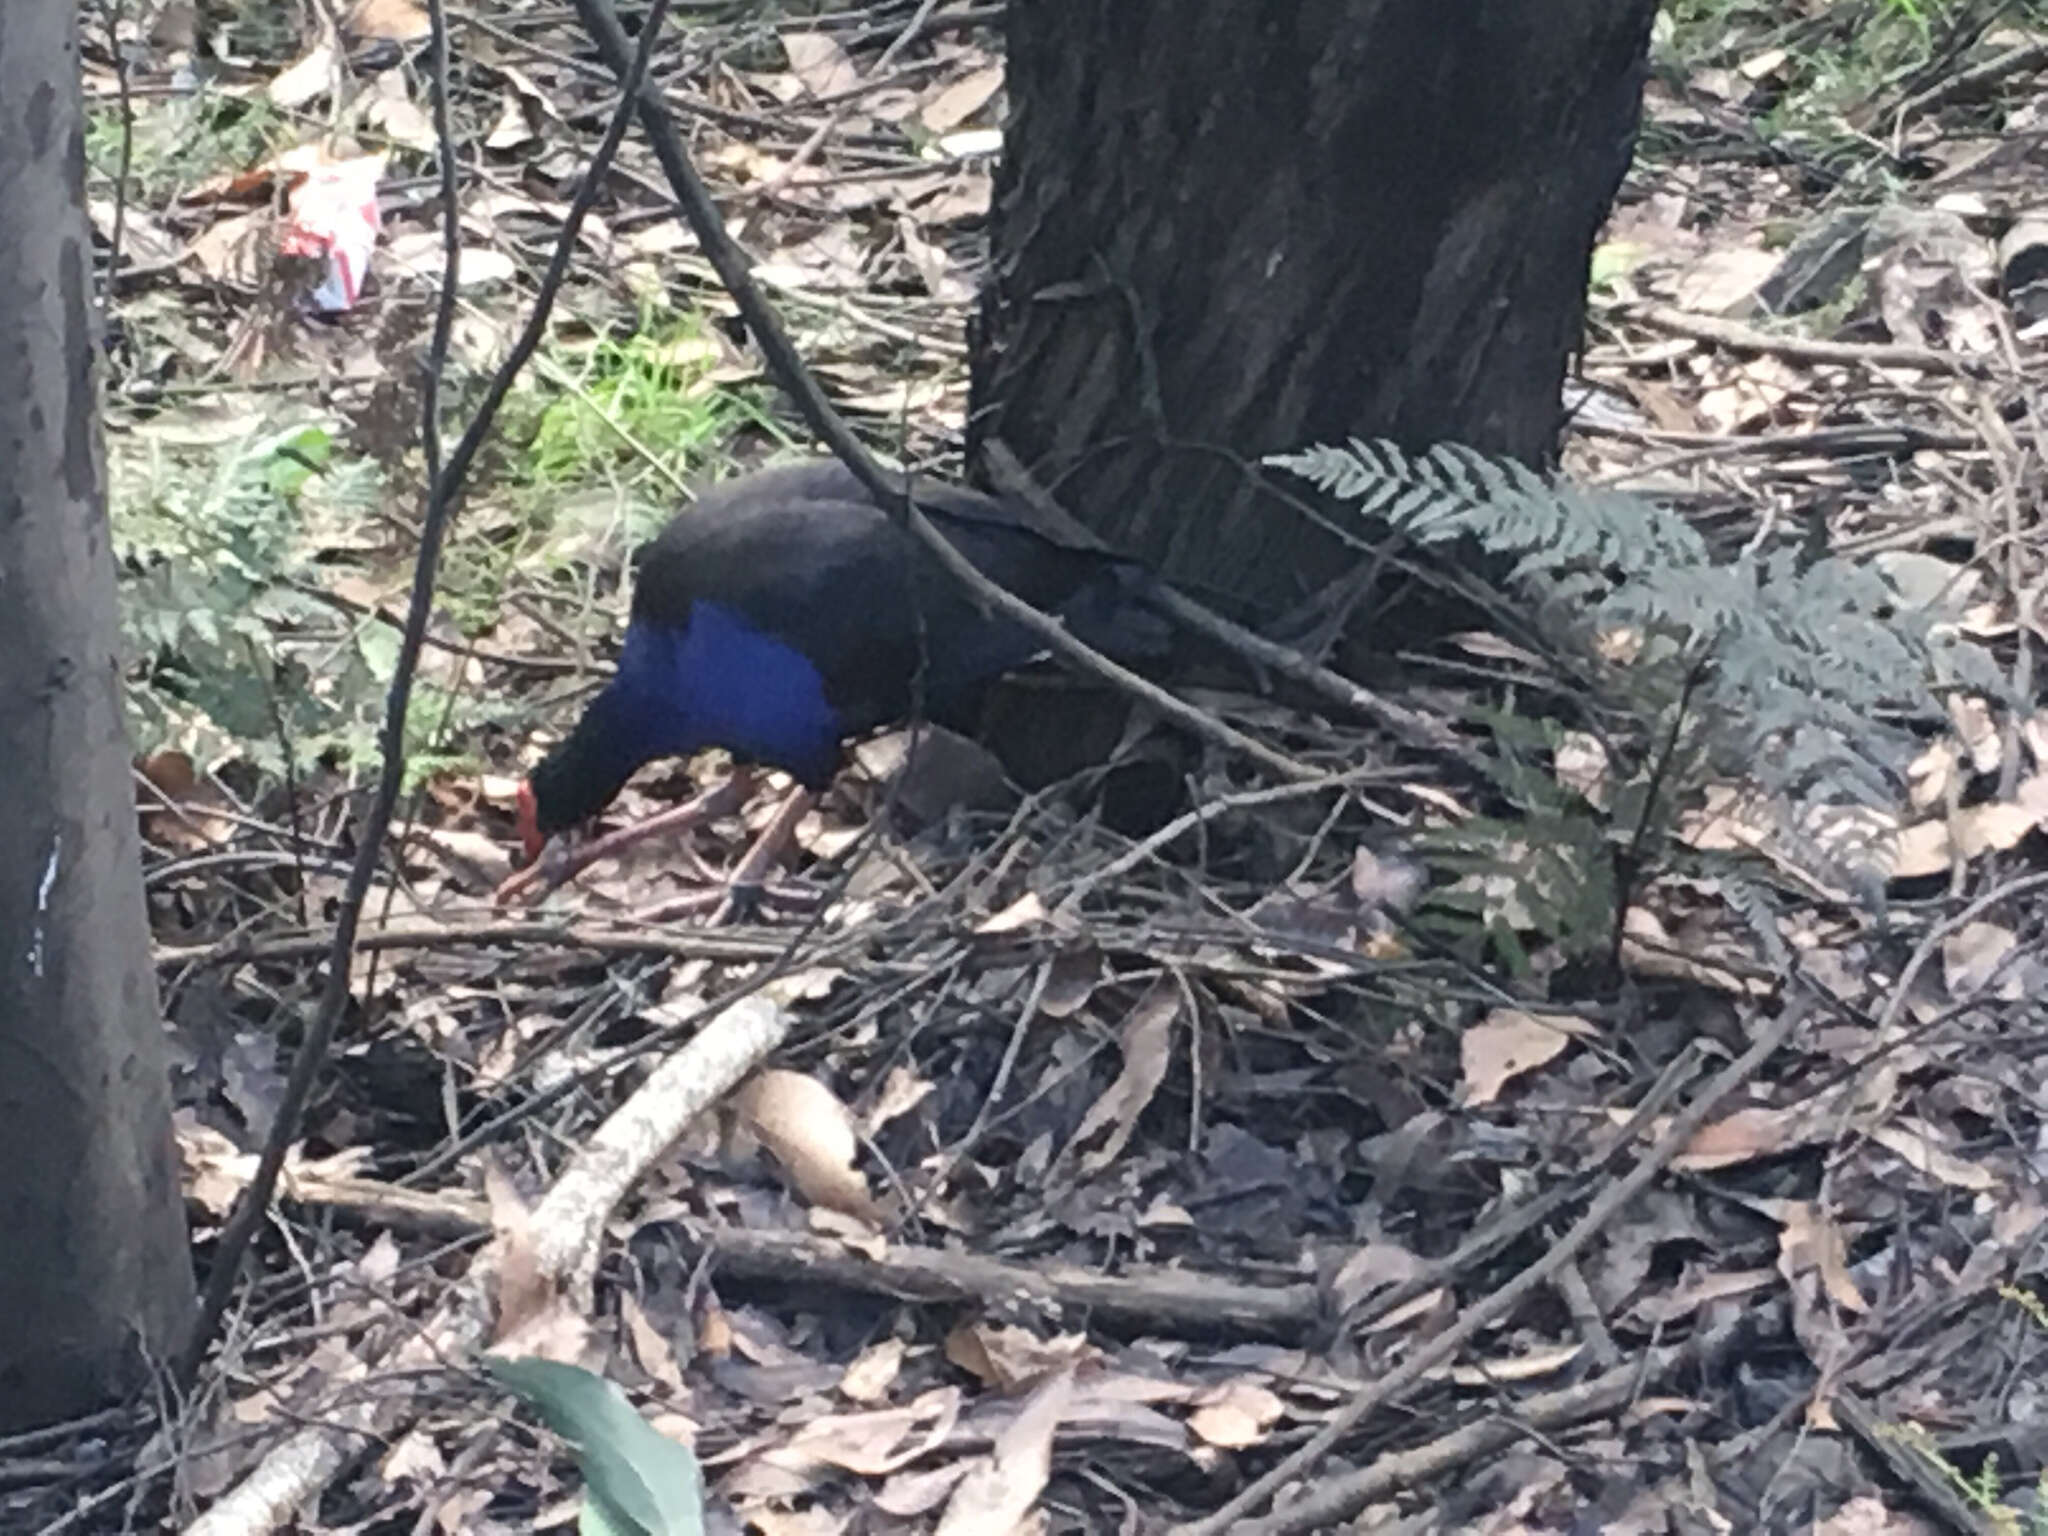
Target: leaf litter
{"type": "Point", "coordinates": [1205, 1083]}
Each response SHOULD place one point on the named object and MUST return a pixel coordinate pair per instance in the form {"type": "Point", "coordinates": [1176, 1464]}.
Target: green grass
{"type": "Point", "coordinates": [644, 408]}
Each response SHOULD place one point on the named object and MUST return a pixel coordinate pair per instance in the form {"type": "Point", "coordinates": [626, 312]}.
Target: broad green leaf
{"type": "Point", "coordinates": [640, 1482]}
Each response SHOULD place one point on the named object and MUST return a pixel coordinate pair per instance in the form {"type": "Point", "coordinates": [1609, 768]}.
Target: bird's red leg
{"type": "Point", "coordinates": [747, 885]}
{"type": "Point", "coordinates": [559, 863]}
{"type": "Point", "coordinates": [747, 880]}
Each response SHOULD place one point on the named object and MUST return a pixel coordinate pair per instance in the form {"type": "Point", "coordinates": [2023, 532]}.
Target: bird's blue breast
{"type": "Point", "coordinates": [719, 682]}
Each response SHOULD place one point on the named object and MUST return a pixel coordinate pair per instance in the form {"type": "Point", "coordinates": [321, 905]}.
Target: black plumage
{"type": "Point", "coordinates": [786, 612]}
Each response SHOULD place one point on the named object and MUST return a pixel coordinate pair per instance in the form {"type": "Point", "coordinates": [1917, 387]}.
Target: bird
{"type": "Point", "coordinates": [787, 612]}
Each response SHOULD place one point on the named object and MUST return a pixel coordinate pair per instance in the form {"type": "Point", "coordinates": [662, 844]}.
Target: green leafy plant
{"type": "Point", "coordinates": [177, 141]}
{"type": "Point", "coordinates": [1807, 680]}
{"type": "Point", "coordinates": [232, 652]}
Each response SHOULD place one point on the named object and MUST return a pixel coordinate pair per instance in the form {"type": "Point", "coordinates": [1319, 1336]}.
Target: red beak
{"type": "Point", "coordinates": [530, 837]}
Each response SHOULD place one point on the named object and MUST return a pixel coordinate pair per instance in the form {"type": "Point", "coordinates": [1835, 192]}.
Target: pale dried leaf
{"type": "Point", "coordinates": [1148, 1049]}
{"type": "Point", "coordinates": [818, 60]}
{"type": "Point", "coordinates": [871, 1444]}
{"type": "Point", "coordinates": [1976, 955]}
{"type": "Point", "coordinates": [874, 1371]}
{"type": "Point", "coordinates": [1507, 1043]}
{"type": "Point", "coordinates": [1745, 1135]}
{"type": "Point", "coordinates": [1808, 1240]}
{"type": "Point", "coordinates": [1529, 1367]}
{"type": "Point", "coordinates": [960, 100]}
{"type": "Point", "coordinates": [1920, 1149]}
{"type": "Point", "coordinates": [994, 1498]}
{"type": "Point", "coordinates": [1933, 776]}
{"type": "Point", "coordinates": [1235, 1415]}
{"type": "Point", "coordinates": [307, 80]}
{"type": "Point", "coordinates": [1010, 1358]}
{"type": "Point", "coordinates": [397, 21]}
{"type": "Point", "coordinates": [1979, 731]}
{"type": "Point", "coordinates": [811, 1134]}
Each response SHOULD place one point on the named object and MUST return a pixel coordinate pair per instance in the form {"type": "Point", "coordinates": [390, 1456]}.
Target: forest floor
{"type": "Point", "coordinates": [1074, 1180]}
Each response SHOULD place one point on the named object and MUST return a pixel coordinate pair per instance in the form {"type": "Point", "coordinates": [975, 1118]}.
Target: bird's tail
{"type": "Point", "coordinates": [1110, 613]}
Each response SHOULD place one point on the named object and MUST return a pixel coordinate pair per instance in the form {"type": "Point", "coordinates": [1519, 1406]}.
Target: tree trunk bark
{"type": "Point", "coordinates": [95, 1273]}
{"type": "Point", "coordinates": [1227, 228]}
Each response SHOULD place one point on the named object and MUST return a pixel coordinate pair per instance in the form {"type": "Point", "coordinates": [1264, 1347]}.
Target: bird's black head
{"type": "Point", "coordinates": [574, 782]}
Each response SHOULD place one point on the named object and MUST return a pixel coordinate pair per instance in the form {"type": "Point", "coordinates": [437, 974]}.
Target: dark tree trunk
{"type": "Point", "coordinates": [1226, 228]}
{"type": "Point", "coordinates": [95, 1275]}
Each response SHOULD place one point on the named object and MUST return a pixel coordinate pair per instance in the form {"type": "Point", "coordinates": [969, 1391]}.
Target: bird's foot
{"type": "Point", "coordinates": [732, 902]}
{"type": "Point", "coordinates": [742, 896]}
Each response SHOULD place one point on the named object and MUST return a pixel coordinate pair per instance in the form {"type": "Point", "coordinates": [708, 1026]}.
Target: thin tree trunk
{"type": "Point", "coordinates": [95, 1276]}
{"type": "Point", "coordinates": [1227, 228]}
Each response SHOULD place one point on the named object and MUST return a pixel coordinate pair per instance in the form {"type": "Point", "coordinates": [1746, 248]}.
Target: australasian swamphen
{"type": "Point", "coordinates": [786, 612]}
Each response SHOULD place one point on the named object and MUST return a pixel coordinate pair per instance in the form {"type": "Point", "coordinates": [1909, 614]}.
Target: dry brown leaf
{"type": "Point", "coordinates": [1867, 1515]}
{"type": "Point", "coordinates": [874, 1371]}
{"type": "Point", "coordinates": [1010, 1358]}
{"type": "Point", "coordinates": [401, 120]}
{"type": "Point", "coordinates": [1027, 911]}
{"type": "Point", "coordinates": [1920, 1149]}
{"type": "Point", "coordinates": [651, 1348]}
{"type": "Point", "coordinates": [1422, 1306]}
{"type": "Point", "coordinates": [818, 60]}
{"type": "Point", "coordinates": [960, 100]}
{"type": "Point", "coordinates": [1744, 1136]}
{"type": "Point", "coordinates": [811, 1134]}
{"type": "Point", "coordinates": [395, 21]}
{"type": "Point", "coordinates": [534, 1318]}
{"type": "Point", "coordinates": [2034, 729]}
{"type": "Point", "coordinates": [1235, 1414]}
{"type": "Point", "coordinates": [1721, 280]}
{"type": "Point", "coordinates": [1148, 1049]}
{"type": "Point", "coordinates": [1507, 1043]}
{"type": "Point", "coordinates": [1647, 949]}
{"type": "Point", "coordinates": [1977, 956]}
{"type": "Point", "coordinates": [514, 130]}
{"type": "Point", "coordinates": [817, 1520]}
{"type": "Point", "coordinates": [1809, 1241]}
{"type": "Point", "coordinates": [1543, 1362]}
{"type": "Point", "coordinates": [902, 1091]}
{"type": "Point", "coordinates": [994, 1497]}
{"type": "Point", "coordinates": [145, 242]}
{"type": "Point", "coordinates": [1934, 775]}
{"type": "Point", "coordinates": [236, 251]}
{"type": "Point", "coordinates": [972, 141]}
{"type": "Point", "coordinates": [1995, 827]}
{"type": "Point", "coordinates": [909, 1494]}
{"type": "Point", "coordinates": [418, 254]}
{"type": "Point", "coordinates": [1919, 850]}
{"type": "Point", "coordinates": [1697, 1292]}
{"type": "Point", "coordinates": [871, 1444]}
{"type": "Point", "coordinates": [306, 81]}
{"type": "Point", "coordinates": [1979, 731]}
{"type": "Point", "coordinates": [416, 1458]}
{"type": "Point", "coordinates": [1580, 762]}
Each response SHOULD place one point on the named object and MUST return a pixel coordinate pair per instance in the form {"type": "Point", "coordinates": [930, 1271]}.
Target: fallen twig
{"type": "Point", "coordinates": [1743, 338]}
